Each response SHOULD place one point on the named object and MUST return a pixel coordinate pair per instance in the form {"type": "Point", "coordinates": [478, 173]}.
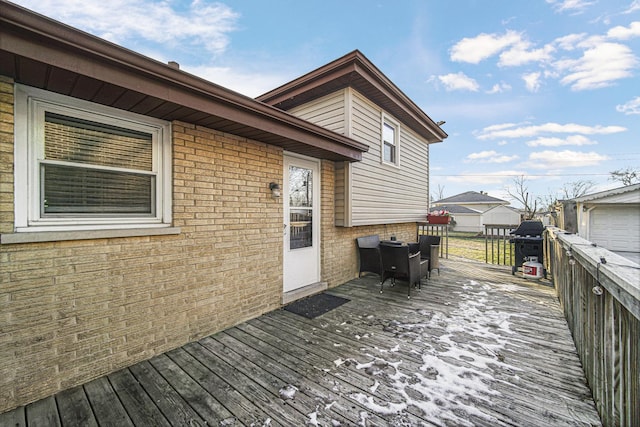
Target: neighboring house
{"type": "Point", "coordinates": [611, 219]}
{"type": "Point", "coordinates": [137, 204]}
{"type": "Point", "coordinates": [473, 210]}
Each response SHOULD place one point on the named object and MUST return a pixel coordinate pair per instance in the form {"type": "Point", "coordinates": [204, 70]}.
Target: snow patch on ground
{"type": "Point", "coordinates": [461, 352]}
{"type": "Point", "coordinates": [288, 392]}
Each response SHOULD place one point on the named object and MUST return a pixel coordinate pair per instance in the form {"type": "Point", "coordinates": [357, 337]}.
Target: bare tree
{"type": "Point", "coordinates": [439, 195]}
{"type": "Point", "coordinates": [548, 201]}
{"type": "Point", "coordinates": [569, 190]}
{"type": "Point", "coordinates": [574, 189]}
{"type": "Point", "coordinates": [520, 193]}
{"type": "Point", "coordinates": [626, 176]}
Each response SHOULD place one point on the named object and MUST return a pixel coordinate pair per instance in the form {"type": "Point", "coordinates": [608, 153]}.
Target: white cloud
{"type": "Point", "coordinates": [630, 107]}
{"type": "Point", "coordinates": [598, 67]}
{"type": "Point", "coordinates": [499, 177]}
{"type": "Point", "coordinates": [592, 62]}
{"type": "Point", "coordinates": [200, 24]}
{"type": "Point", "coordinates": [521, 53]}
{"type": "Point", "coordinates": [577, 140]}
{"type": "Point", "coordinates": [499, 127]}
{"type": "Point", "coordinates": [490, 157]}
{"type": "Point", "coordinates": [564, 159]}
{"type": "Point", "coordinates": [532, 81]}
{"type": "Point", "coordinates": [635, 6]}
{"type": "Point", "coordinates": [624, 33]}
{"type": "Point", "coordinates": [458, 81]}
{"type": "Point", "coordinates": [473, 50]}
{"type": "Point", "coordinates": [576, 6]}
{"type": "Point", "coordinates": [499, 88]}
{"type": "Point", "coordinates": [243, 81]}
{"type": "Point", "coordinates": [510, 130]}
{"type": "Point", "coordinates": [570, 41]}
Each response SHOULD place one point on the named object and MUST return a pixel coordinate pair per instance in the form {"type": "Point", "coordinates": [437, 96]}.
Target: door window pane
{"type": "Point", "coordinates": [300, 207]}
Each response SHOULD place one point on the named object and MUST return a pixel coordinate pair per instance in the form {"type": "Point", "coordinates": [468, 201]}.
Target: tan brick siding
{"type": "Point", "coordinates": [6, 155]}
{"type": "Point", "coordinates": [75, 310]}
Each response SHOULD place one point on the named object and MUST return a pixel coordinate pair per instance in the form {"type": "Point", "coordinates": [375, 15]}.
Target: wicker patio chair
{"type": "Point", "coordinates": [369, 254]}
{"type": "Point", "coordinates": [398, 263]}
{"type": "Point", "coordinates": [430, 250]}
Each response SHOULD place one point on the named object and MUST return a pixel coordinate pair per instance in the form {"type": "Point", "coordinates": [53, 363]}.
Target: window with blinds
{"type": "Point", "coordinates": [90, 168]}
{"type": "Point", "coordinates": [86, 166]}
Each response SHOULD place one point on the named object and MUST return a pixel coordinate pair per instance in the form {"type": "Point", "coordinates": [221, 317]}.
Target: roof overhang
{"type": "Point", "coordinates": [40, 52]}
{"type": "Point", "coordinates": [603, 196]}
{"type": "Point", "coordinates": [356, 71]}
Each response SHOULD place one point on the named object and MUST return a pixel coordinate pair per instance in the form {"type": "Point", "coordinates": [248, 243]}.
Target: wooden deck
{"type": "Point", "coordinates": [475, 347]}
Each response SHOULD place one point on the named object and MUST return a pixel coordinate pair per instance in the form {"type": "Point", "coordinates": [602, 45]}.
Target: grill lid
{"type": "Point", "coordinates": [529, 228]}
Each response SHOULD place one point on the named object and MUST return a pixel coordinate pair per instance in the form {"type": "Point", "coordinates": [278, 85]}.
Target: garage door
{"type": "Point", "coordinates": [616, 228]}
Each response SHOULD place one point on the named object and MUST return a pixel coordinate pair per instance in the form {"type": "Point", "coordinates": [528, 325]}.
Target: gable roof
{"type": "Point", "coordinates": [356, 71]}
{"type": "Point", "coordinates": [40, 52]}
{"type": "Point", "coordinates": [456, 209]}
{"type": "Point", "coordinates": [470, 197]}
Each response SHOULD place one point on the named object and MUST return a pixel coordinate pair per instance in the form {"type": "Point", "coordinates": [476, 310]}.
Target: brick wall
{"type": "Point", "coordinates": [339, 252]}
{"type": "Point", "coordinates": [75, 310]}
{"type": "Point", "coordinates": [6, 155]}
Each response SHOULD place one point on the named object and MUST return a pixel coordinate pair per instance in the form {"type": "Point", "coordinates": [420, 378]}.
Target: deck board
{"type": "Point", "coordinates": [106, 405]}
{"type": "Point", "coordinates": [74, 408]}
{"type": "Point", "coordinates": [475, 347]}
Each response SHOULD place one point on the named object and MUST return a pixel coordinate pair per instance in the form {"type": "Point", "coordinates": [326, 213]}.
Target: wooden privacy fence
{"type": "Point", "coordinates": [497, 248]}
{"type": "Point", "coordinates": [600, 294]}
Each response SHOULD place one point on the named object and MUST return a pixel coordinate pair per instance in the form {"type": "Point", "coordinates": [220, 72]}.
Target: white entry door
{"type": "Point", "coordinates": [301, 198]}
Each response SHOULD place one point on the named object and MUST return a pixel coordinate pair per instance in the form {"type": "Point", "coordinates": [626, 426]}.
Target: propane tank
{"type": "Point", "coordinates": [532, 269]}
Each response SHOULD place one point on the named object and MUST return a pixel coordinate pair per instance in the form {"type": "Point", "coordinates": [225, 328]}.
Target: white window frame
{"type": "Point", "coordinates": [30, 107]}
{"type": "Point", "coordinates": [387, 121]}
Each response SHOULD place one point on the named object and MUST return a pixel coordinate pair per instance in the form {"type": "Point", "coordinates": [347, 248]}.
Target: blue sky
{"type": "Point", "coordinates": [545, 89]}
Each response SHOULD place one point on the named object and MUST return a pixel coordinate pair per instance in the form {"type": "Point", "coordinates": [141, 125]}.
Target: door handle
{"type": "Point", "coordinates": [284, 229]}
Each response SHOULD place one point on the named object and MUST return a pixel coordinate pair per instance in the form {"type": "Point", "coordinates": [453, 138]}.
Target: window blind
{"type": "Point", "coordinates": [85, 183]}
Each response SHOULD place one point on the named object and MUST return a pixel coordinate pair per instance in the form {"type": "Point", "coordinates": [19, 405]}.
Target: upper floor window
{"type": "Point", "coordinates": [81, 165]}
{"type": "Point", "coordinates": [389, 142]}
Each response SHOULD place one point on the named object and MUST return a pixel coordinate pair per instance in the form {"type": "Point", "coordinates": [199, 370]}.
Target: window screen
{"type": "Point", "coordinates": [93, 168]}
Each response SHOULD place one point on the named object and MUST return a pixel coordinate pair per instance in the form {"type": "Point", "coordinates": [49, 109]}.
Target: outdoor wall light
{"type": "Point", "coordinates": [275, 190]}
{"type": "Point", "coordinates": [572, 261]}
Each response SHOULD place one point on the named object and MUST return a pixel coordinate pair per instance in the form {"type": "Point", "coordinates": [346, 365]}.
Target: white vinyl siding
{"type": "Point", "coordinates": [340, 181]}
{"type": "Point", "coordinates": [371, 191]}
{"type": "Point", "coordinates": [328, 112]}
{"type": "Point", "coordinates": [383, 193]}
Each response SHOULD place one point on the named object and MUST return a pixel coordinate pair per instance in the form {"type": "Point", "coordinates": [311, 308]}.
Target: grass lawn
{"type": "Point", "coordinates": [472, 246]}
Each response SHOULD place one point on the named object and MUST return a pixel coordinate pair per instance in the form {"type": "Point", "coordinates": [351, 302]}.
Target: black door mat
{"type": "Point", "coordinates": [316, 305]}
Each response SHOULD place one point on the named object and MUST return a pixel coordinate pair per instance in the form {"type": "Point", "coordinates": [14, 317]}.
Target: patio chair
{"type": "Point", "coordinates": [430, 250]}
{"type": "Point", "coordinates": [399, 263]}
{"type": "Point", "coordinates": [369, 254]}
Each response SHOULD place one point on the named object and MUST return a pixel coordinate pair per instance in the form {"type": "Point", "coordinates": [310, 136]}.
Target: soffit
{"type": "Point", "coordinates": [39, 52]}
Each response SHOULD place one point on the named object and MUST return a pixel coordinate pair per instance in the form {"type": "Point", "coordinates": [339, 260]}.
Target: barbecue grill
{"type": "Point", "coordinates": [527, 240]}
